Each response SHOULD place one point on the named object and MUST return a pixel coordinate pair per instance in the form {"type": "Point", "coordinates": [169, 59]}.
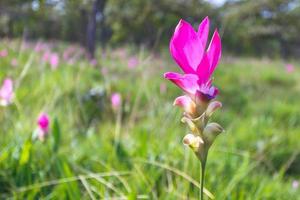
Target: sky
{"type": "Point", "coordinates": [217, 2]}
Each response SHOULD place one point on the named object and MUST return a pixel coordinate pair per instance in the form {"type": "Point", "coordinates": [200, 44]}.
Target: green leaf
{"type": "Point", "coordinates": [56, 135]}
{"type": "Point", "coordinates": [25, 155]}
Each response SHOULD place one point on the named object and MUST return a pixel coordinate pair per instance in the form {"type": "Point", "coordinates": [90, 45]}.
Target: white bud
{"type": "Point", "coordinates": [211, 131]}
{"type": "Point", "coordinates": [212, 107]}
{"type": "Point", "coordinates": [193, 141]}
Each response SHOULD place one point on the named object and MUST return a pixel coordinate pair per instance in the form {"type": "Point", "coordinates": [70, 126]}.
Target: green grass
{"type": "Point", "coordinates": [83, 158]}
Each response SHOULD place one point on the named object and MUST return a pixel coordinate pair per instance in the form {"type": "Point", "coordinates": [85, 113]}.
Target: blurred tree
{"type": "Point", "coordinates": [257, 27]}
{"type": "Point", "coordinates": [261, 26]}
{"type": "Point", "coordinates": [96, 15]}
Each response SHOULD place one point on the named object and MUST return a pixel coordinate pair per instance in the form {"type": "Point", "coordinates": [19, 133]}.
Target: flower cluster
{"type": "Point", "coordinates": [188, 49]}
{"type": "Point", "coordinates": [43, 122]}
{"type": "Point", "coordinates": [6, 92]}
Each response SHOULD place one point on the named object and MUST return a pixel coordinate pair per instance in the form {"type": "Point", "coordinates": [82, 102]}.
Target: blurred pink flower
{"type": "Point", "coordinates": [163, 88]}
{"type": "Point", "coordinates": [54, 60]}
{"type": "Point", "coordinates": [43, 126]}
{"type": "Point", "coordinates": [67, 53]}
{"type": "Point", "coordinates": [3, 53]}
{"type": "Point", "coordinates": [289, 68]}
{"type": "Point", "coordinates": [121, 53]}
{"type": "Point", "coordinates": [116, 101]}
{"type": "Point", "coordinates": [6, 92]}
{"type": "Point", "coordinates": [93, 62]}
{"type": "Point", "coordinates": [295, 184]}
{"type": "Point", "coordinates": [133, 62]}
{"type": "Point", "coordinates": [38, 47]}
{"type": "Point", "coordinates": [104, 71]}
{"type": "Point", "coordinates": [46, 56]}
{"type": "Point", "coordinates": [188, 49]}
{"type": "Point", "coordinates": [14, 62]}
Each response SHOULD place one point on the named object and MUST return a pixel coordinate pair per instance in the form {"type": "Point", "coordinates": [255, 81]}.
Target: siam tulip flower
{"type": "Point", "coordinates": [3, 53]}
{"type": "Point", "coordinates": [67, 53]}
{"type": "Point", "coordinates": [38, 47]}
{"type": "Point", "coordinates": [295, 184]}
{"type": "Point", "coordinates": [54, 60]}
{"type": "Point", "coordinates": [104, 71]}
{"type": "Point", "coordinates": [116, 101]}
{"type": "Point", "coordinates": [46, 56]}
{"type": "Point", "coordinates": [133, 62]}
{"type": "Point", "coordinates": [6, 92]}
{"type": "Point", "coordinates": [93, 62]}
{"type": "Point", "coordinates": [289, 68]}
{"type": "Point", "coordinates": [163, 88]}
{"type": "Point", "coordinates": [43, 126]}
{"type": "Point", "coordinates": [14, 62]}
{"type": "Point", "coordinates": [188, 49]}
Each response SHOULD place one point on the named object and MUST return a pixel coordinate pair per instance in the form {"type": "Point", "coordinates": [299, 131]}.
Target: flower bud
{"type": "Point", "coordinates": [193, 141]}
{"type": "Point", "coordinates": [191, 125]}
{"type": "Point", "coordinates": [212, 107]}
{"type": "Point", "coordinates": [187, 104]}
{"type": "Point", "coordinates": [211, 131]}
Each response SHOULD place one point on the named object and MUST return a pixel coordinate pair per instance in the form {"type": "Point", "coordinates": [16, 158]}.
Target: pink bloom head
{"type": "Point", "coordinates": [46, 56]}
{"type": "Point", "coordinates": [289, 68]}
{"type": "Point", "coordinates": [295, 184]}
{"type": "Point", "coordinates": [104, 71]}
{"type": "Point", "coordinates": [43, 125]}
{"type": "Point", "coordinates": [116, 101]}
{"type": "Point", "coordinates": [3, 53]}
{"type": "Point", "coordinates": [163, 88]}
{"type": "Point", "coordinates": [6, 92]}
{"type": "Point", "coordinates": [132, 62]}
{"type": "Point", "coordinates": [54, 60]}
{"type": "Point", "coordinates": [188, 49]}
{"type": "Point", "coordinates": [14, 62]}
{"type": "Point", "coordinates": [93, 62]}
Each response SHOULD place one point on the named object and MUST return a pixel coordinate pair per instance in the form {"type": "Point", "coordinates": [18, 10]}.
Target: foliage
{"type": "Point", "coordinates": [259, 27]}
{"type": "Point", "coordinates": [257, 157]}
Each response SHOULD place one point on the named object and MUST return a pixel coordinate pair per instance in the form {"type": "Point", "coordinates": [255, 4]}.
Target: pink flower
{"type": "Point", "coordinates": [104, 71]}
{"type": "Point", "coordinates": [162, 88]}
{"type": "Point", "coordinates": [93, 62]}
{"type": "Point", "coordinates": [38, 47]}
{"type": "Point", "coordinates": [54, 60]}
{"type": "Point", "coordinates": [3, 53]}
{"type": "Point", "coordinates": [188, 49]}
{"type": "Point", "coordinates": [46, 56]}
{"type": "Point", "coordinates": [67, 53]}
{"type": "Point", "coordinates": [14, 62]}
{"type": "Point", "coordinates": [289, 68]}
{"type": "Point", "coordinates": [116, 101]}
{"type": "Point", "coordinates": [6, 92]}
{"type": "Point", "coordinates": [43, 126]}
{"type": "Point", "coordinates": [132, 62]}
{"type": "Point", "coordinates": [295, 184]}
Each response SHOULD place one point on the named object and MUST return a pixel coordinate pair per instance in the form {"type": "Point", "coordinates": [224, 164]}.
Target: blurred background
{"type": "Point", "coordinates": [85, 112]}
{"type": "Point", "coordinates": [266, 27]}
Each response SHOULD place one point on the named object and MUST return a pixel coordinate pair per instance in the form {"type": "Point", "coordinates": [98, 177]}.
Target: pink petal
{"type": "Point", "coordinates": [203, 71]}
{"type": "Point", "coordinates": [186, 103]}
{"type": "Point", "coordinates": [186, 47]}
{"type": "Point", "coordinates": [116, 101]}
{"type": "Point", "coordinates": [43, 122]}
{"type": "Point", "coordinates": [203, 31]}
{"type": "Point", "coordinates": [187, 82]}
{"type": "Point", "coordinates": [6, 91]}
{"type": "Point", "coordinates": [214, 51]}
{"type": "Point", "coordinates": [54, 60]}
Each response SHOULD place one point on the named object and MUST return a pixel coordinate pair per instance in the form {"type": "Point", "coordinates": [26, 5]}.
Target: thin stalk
{"type": "Point", "coordinates": [203, 164]}
{"type": "Point", "coordinates": [202, 180]}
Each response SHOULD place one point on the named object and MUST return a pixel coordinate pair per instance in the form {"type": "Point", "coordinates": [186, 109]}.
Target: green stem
{"type": "Point", "coordinates": [203, 164]}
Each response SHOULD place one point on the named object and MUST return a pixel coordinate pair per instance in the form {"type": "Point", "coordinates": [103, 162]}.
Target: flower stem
{"type": "Point", "coordinates": [203, 164]}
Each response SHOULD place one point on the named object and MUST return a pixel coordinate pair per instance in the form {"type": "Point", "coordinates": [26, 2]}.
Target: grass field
{"type": "Point", "coordinates": [93, 152]}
